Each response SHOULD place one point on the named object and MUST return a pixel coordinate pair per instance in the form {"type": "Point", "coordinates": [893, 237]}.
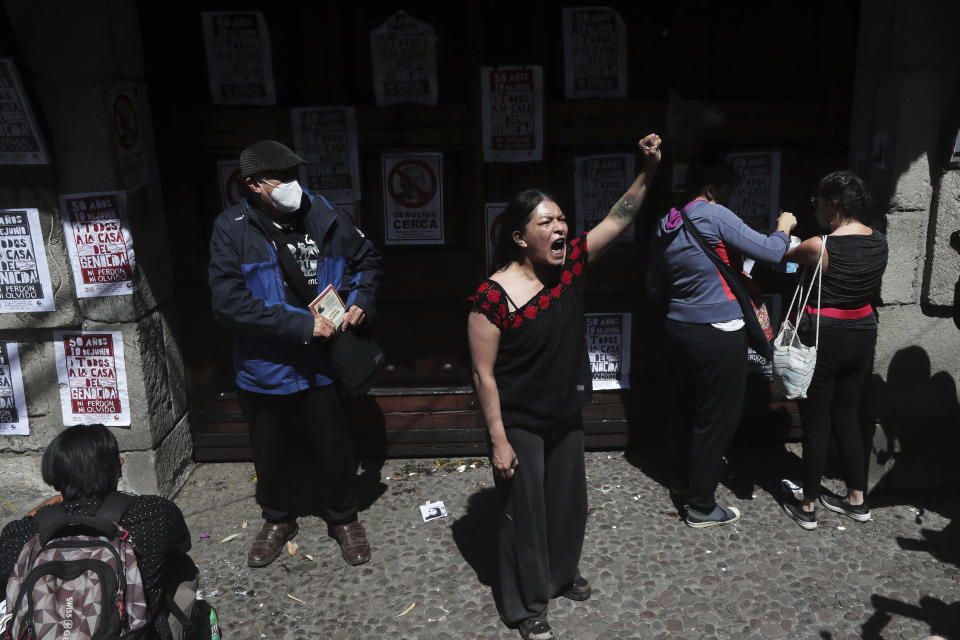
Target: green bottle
{"type": "Point", "coordinates": [214, 625]}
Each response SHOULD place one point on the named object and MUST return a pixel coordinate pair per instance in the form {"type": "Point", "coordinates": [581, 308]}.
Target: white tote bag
{"type": "Point", "coordinates": [793, 363]}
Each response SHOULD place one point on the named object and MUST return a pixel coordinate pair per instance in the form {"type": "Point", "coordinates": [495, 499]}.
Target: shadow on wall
{"type": "Point", "coordinates": [919, 428]}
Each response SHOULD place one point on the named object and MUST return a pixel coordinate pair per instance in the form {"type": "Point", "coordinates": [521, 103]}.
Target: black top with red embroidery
{"type": "Point", "coordinates": [542, 370]}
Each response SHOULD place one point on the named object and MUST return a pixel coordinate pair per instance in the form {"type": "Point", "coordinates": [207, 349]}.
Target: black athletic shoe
{"type": "Point", "coordinates": [859, 512]}
{"type": "Point", "coordinates": [806, 519]}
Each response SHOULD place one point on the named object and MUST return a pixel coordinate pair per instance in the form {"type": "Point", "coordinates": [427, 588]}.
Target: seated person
{"type": "Point", "coordinates": [83, 463]}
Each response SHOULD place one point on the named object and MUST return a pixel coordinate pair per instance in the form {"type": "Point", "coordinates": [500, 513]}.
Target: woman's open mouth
{"type": "Point", "coordinates": [557, 247]}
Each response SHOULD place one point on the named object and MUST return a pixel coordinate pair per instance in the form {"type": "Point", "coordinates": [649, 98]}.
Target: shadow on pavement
{"type": "Point", "coordinates": [476, 534]}
{"type": "Point", "coordinates": [944, 619]}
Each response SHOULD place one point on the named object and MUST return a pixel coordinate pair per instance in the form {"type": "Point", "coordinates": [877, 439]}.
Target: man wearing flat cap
{"type": "Point", "coordinates": [268, 255]}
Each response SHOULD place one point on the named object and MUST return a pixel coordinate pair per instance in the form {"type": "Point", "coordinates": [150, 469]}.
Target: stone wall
{"type": "Point", "coordinates": [70, 55]}
{"type": "Point", "coordinates": [906, 95]}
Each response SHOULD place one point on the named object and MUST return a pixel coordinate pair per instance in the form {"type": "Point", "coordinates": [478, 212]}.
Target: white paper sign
{"type": "Point", "coordinates": [756, 198]}
{"type": "Point", "coordinates": [13, 402]}
{"type": "Point", "coordinates": [608, 347]}
{"type": "Point", "coordinates": [492, 212]}
{"type": "Point", "coordinates": [24, 276]}
{"type": "Point", "coordinates": [20, 139]}
{"type": "Point", "coordinates": [433, 510]}
{"type": "Point", "coordinates": [128, 134]}
{"type": "Point", "coordinates": [512, 112]}
{"type": "Point", "coordinates": [327, 139]}
{"type": "Point", "coordinates": [599, 183]}
{"type": "Point", "coordinates": [404, 55]}
{"type": "Point", "coordinates": [93, 377]}
{"type": "Point", "coordinates": [239, 61]}
{"type": "Point", "coordinates": [99, 243]}
{"type": "Point", "coordinates": [413, 198]}
{"type": "Point", "coordinates": [594, 52]}
{"type": "Point", "coordinates": [232, 189]}
{"type": "Point", "coordinates": [955, 155]}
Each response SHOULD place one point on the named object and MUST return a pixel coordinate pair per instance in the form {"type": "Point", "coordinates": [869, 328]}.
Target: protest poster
{"type": "Point", "coordinates": [232, 188]}
{"type": "Point", "coordinates": [128, 135]}
{"type": "Point", "coordinates": [599, 182]}
{"type": "Point", "coordinates": [93, 377]}
{"type": "Point", "coordinates": [594, 53]}
{"type": "Point", "coordinates": [512, 113]}
{"type": "Point", "coordinates": [326, 138]}
{"type": "Point", "coordinates": [404, 56]}
{"type": "Point", "coordinates": [24, 274]}
{"type": "Point", "coordinates": [13, 402]}
{"type": "Point", "coordinates": [756, 198]}
{"type": "Point", "coordinates": [20, 139]}
{"type": "Point", "coordinates": [608, 348]}
{"type": "Point", "coordinates": [491, 214]}
{"type": "Point", "coordinates": [239, 60]}
{"type": "Point", "coordinates": [413, 198]}
{"type": "Point", "coordinates": [99, 243]}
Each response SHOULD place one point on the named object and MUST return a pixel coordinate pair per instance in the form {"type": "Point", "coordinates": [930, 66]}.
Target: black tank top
{"type": "Point", "coordinates": [856, 265]}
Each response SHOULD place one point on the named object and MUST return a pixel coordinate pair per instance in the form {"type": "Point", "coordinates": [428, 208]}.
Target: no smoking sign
{"type": "Point", "coordinates": [413, 198]}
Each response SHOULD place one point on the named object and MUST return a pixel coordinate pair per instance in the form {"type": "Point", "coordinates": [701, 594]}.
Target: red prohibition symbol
{"type": "Point", "coordinates": [412, 183]}
{"type": "Point", "coordinates": [125, 121]}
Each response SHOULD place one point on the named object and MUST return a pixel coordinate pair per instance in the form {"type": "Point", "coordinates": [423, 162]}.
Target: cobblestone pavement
{"type": "Point", "coordinates": [653, 577]}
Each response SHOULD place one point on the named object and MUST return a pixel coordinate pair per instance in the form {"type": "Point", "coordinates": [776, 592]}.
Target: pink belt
{"type": "Point", "coordinates": [842, 314]}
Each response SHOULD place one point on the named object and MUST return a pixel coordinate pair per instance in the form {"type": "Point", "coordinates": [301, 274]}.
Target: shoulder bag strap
{"type": "Point", "coordinates": [802, 299]}
{"type": "Point", "coordinates": [736, 285]}
{"type": "Point", "coordinates": [290, 268]}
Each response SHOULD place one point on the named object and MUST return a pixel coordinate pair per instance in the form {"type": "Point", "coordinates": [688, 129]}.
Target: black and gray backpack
{"type": "Point", "coordinates": [78, 579]}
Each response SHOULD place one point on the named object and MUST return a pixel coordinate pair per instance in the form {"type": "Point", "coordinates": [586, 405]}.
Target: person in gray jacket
{"type": "Point", "coordinates": [707, 368]}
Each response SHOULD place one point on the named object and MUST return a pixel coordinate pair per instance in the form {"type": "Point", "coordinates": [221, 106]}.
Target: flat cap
{"type": "Point", "coordinates": [266, 156]}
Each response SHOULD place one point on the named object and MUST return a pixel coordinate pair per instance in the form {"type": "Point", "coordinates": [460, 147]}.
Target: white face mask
{"type": "Point", "coordinates": [286, 196]}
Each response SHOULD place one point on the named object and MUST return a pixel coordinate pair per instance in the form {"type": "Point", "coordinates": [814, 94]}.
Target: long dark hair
{"type": "Point", "coordinates": [82, 461]}
{"type": "Point", "coordinates": [514, 218]}
{"type": "Point", "coordinates": [708, 170]}
{"type": "Point", "coordinates": [847, 191]}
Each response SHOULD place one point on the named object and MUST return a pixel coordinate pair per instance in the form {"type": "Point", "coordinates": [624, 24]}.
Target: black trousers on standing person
{"type": "Point", "coordinates": [844, 359]}
{"type": "Point", "coordinates": [707, 370]}
{"type": "Point", "coordinates": [303, 455]}
{"type": "Point", "coordinates": [543, 521]}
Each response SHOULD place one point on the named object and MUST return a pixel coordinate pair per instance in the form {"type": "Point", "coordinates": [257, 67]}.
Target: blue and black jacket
{"type": "Point", "coordinates": [274, 351]}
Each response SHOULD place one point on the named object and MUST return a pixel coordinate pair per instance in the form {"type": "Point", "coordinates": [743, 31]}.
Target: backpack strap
{"type": "Point", "coordinates": [53, 522]}
{"type": "Point", "coordinates": [49, 521]}
{"type": "Point", "coordinates": [115, 505]}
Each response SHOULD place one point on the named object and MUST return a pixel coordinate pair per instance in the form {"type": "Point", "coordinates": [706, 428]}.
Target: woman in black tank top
{"type": "Point", "coordinates": [528, 346]}
{"type": "Point", "coordinates": [854, 260]}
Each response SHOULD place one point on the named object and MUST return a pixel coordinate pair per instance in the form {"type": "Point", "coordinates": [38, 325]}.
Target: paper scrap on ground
{"type": "Point", "coordinates": [406, 611]}
{"type": "Point", "coordinates": [291, 547]}
{"type": "Point", "coordinates": [230, 537]}
{"type": "Point", "coordinates": [433, 510]}
{"type": "Point", "coordinates": [296, 599]}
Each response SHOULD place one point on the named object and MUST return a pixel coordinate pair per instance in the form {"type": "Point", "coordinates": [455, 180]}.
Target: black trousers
{"type": "Point", "coordinates": [303, 454]}
{"type": "Point", "coordinates": [844, 359]}
{"type": "Point", "coordinates": [543, 521]}
{"type": "Point", "coordinates": [707, 371]}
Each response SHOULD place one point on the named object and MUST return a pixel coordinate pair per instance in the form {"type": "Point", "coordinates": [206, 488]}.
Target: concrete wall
{"type": "Point", "coordinates": [906, 91]}
{"type": "Point", "coordinates": [70, 55]}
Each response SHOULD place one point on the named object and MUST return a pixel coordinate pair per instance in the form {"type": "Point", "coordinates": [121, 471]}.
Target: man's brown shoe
{"type": "Point", "coordinates": [353, 542]}
{"type": "Point", "coordinates": [269, 542]}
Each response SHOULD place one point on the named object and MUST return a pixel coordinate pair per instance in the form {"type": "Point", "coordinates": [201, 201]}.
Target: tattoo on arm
{"type": "Point", "coordinates": [626, 208]}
